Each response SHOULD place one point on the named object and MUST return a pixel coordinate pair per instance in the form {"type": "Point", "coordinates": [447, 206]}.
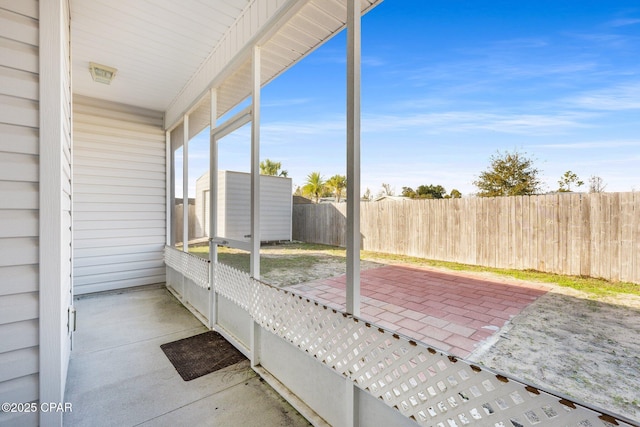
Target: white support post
{"type": "Point", "coordinates": [353, 157]}
{"type": "Point", "coordinates": [255, 193]}
{"type": "Point", "coordinates": [213, 209]}
{"type": "Point", "coordinates": [168, 184]}
{"type": "Point", "coordinates": [353, 186]}
{"type": "Point", "coordinates": [53, 329]}
{"type": "Point", "coordinates": [255, 165]}
{"type": "Point", "coordinates": [185, 184]}
{"type": "Point", "coordinates": [351, 401]}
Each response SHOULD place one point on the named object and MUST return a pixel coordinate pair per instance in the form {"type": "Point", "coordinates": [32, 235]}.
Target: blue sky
{"type": "Point", "coordinates": [445, 84]}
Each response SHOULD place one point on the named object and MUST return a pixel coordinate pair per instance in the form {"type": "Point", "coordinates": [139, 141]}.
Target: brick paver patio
{"type": "Point", "coordinates": [454, 312]}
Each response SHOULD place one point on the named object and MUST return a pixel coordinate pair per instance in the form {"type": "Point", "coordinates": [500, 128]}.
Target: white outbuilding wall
{"type": "Point", "coordinates": [234, 212]}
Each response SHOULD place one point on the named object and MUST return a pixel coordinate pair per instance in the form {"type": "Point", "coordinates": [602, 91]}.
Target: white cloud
{"type": "Point", "coordinates": [447, 122]}
{"type": "Point", "coordinates": [617, 98]}
{"type": "Point", "coordinates": [623, 22]}
{"type": "Point", "coordinates": [469, 121]}
{"type": "Point", "coordinates": [593, 144]}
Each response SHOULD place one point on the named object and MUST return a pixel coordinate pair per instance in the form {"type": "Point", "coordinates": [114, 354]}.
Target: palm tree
{"type": "Point", "coordinates": [269, 167]}
{"type": "Point", "coordinates": [336, 184]}
{"type": "Point", "coordinates": [314, 185]}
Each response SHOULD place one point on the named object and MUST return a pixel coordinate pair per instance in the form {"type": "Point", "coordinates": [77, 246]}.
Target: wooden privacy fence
{"type": "Point", "coordinates": [178, 218]}
{"type": "Point", "coordinates": [594, 235]}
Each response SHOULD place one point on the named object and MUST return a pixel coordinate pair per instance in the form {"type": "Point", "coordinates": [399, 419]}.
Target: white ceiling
{"type": "Point", "coordinates": [156, 45]}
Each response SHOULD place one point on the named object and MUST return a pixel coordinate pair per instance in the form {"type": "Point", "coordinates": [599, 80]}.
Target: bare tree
{"type": "Point", "coordinates": [596, 184]}
{"type": "Point", "coordinates": [386, 190]}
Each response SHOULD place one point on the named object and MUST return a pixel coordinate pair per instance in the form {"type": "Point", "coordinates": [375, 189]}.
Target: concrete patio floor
{"type": "Point", "coordinates": [119, 376]}
{"type": "Point", "coordinates": [454, 312]}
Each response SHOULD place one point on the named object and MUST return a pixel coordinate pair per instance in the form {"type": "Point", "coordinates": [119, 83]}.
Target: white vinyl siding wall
{"type": "Point", "coordinates": [19, 194]}
{"type": "Point", "coordinates": [119, 189]}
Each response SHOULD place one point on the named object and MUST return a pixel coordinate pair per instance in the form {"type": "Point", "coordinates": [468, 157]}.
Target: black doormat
{"type": "Point", "coordinates": [201, 354]}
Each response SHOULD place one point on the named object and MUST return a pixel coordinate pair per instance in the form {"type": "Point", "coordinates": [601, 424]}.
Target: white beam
{"type": "Point", "coordinates": [255, 164]}
{"type": "Point", "coordinates": [213, 208]}
{"type": "Point", "coordinates": [353, 157]}
{"type": "Point", "coordinates": [255, 194]}
{"type": "Point", "coordinates": [255, 25]}
{"type": "Point", "coordinates": [168, 186]}
{"type": "Point", "coordinates": [185, 185]}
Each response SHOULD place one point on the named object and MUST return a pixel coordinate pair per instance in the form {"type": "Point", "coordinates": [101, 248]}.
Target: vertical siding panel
{"type": "Point", "coordinates": [19, 195]}
{"type": "Point", "coordinates": [480, 227]}
{"type": "Point", "coordinates": [440, 228]}
{"type": "Point", "coordinates": [505, 232]}
{"type": "Point", "coordinates": [516, 234]}
{"type": "Point", "coordinates": [616, 236]}
{"type": "Point", "coordinates": [533, 234]}
{"type": "Point", "coordinates": [626, 236]}
{"type": "Point", "coordinates": [485, 236]}
{"type": "Point", "coordinates": [494, 230]}
{"type": "Point", "coordinates": [551, 233]}
{"type": "Point", "coordinates": [636, 237]}
{"type": "Point", "coordinates": [457, 253]}
{"type": "Point", "coordinates": [596, 243]}
{"type": "Point", "coordinates": [455, 234]}
{"type": "Point", "coordinates": [605, 235]}
{"type": "Point", "coordinates": [119, 165]}
{"type": "Point", "coordinates": [564, 214]}
{"type": "Point", "coordinates": [473, 229]}
{"type": "Point", "coordinates": [541, 233]}
{"type": "Point", "coordinates": [585, 235]}
{"type": "Point", "coordinates": [573, 250]}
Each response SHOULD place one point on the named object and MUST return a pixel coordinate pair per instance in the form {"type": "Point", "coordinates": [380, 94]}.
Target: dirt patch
{"type": "Point", "coordinates": [323, 265]}
{"type": "Point", "coordinates": [568, 342]}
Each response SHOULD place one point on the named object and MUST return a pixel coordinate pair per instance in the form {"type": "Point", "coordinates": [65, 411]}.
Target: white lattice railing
{"type": "Point", "coordinates": [191, 266]}
{"type": "Point", "coordinates": [424, 384]}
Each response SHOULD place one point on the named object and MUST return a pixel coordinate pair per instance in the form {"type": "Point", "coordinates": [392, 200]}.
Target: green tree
{"type": "Point", "coordinates": [510, 174]}
{"type": "Point", "coordinates": [314, 186]}
{"type": "Point", "coordinates": [567, 180]}
{"type": "Point", "coordinates": [455, 194]}
{"type": "Point", "coordinates": [431, 192]}
{"type": "Point", "coordinates": [409, 192]}
{"type": "Point", "coordinates": [269, 167]}
{"type": "Point", "coordinates": [425, 192]}
{"type": "Point", "coordinates": [336, 184]}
